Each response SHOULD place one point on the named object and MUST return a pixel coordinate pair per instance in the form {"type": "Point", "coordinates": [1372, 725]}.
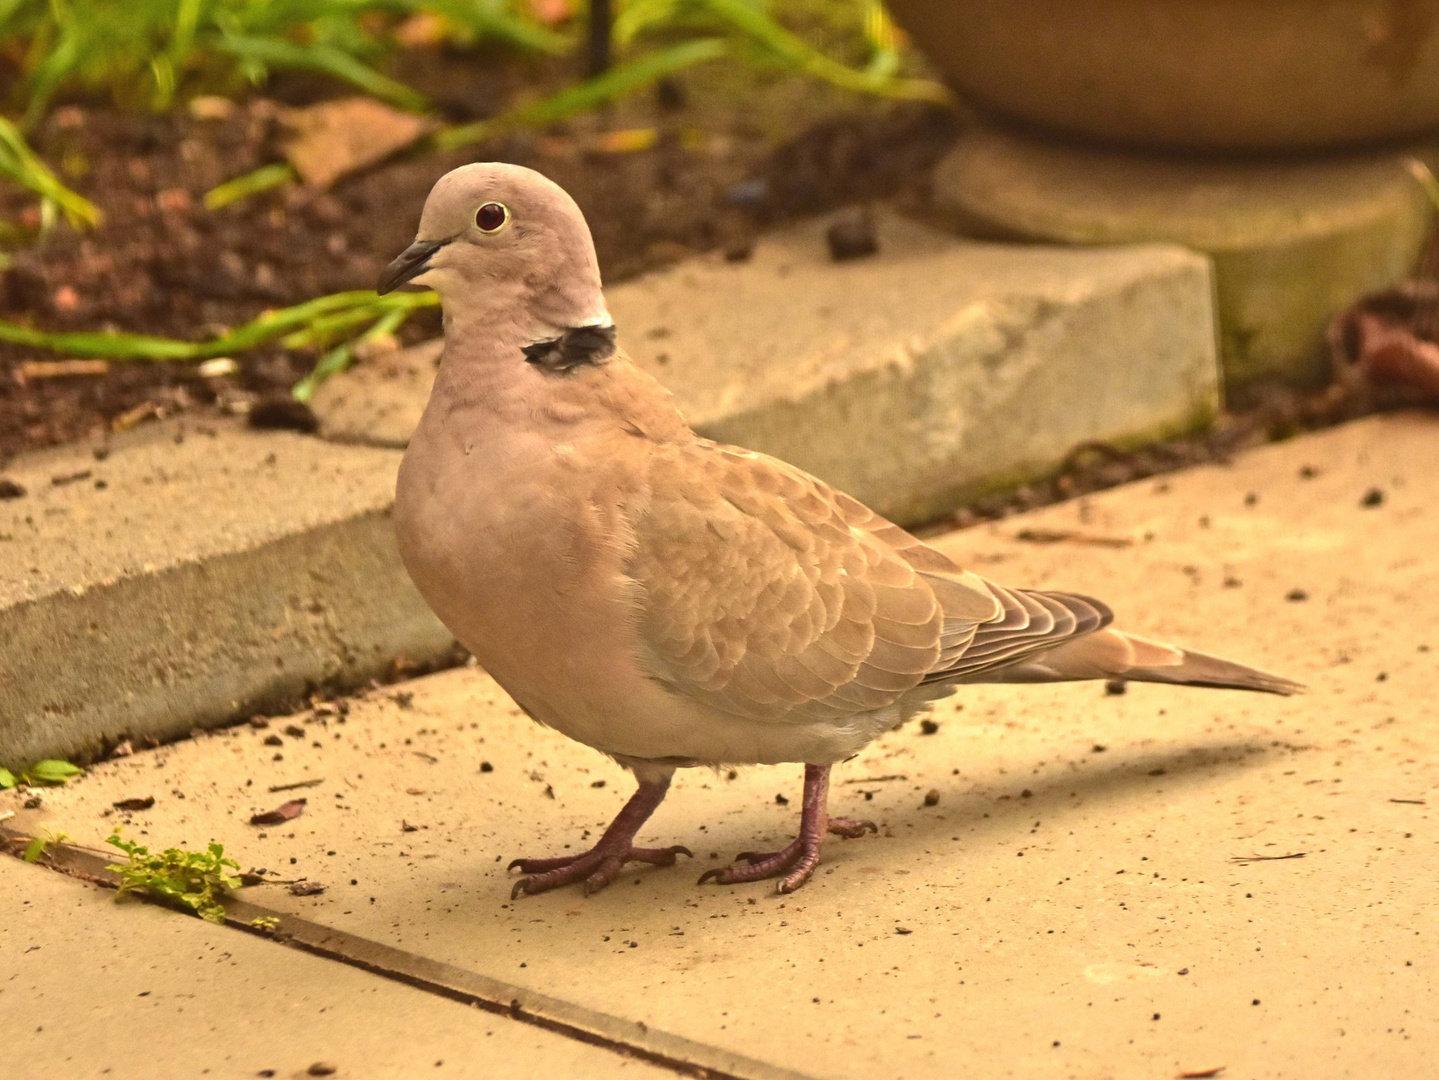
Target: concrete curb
{"type": "Point", "coordinates": [935, 371]}
{"type": "Point", "coordinates": [198, 574]}
{"type": "Point", "coordinates": [228, 574]}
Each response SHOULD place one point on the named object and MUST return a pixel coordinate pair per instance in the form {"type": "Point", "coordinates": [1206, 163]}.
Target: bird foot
{"type": "Point", "coordinates": [792, 864]}
{"type": "Point", "coordinates": [597, 867]}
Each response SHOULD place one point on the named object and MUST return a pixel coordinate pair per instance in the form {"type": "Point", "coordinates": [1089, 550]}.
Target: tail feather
{"type": "Point", "coordinates": [1201, 669]}
{"type": "Point", "coordinates": [1114, 654]}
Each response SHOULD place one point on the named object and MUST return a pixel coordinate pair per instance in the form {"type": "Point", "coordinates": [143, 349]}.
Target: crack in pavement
{"type": "Point", "coordinates": [630, 1038]}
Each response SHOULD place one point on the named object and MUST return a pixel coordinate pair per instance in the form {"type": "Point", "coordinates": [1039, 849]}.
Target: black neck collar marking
{"type": "Point", "coordinates": [576, 347]}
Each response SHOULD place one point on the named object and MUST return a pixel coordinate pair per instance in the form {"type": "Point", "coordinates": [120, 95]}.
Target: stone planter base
{"type": "Point", "coordinates": [1293, 240]}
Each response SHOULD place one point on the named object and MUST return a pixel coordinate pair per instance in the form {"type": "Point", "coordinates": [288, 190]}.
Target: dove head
{"type": "Point", "coordinates": [505, 248]}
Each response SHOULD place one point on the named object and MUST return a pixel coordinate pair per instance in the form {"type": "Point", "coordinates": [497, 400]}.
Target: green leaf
{"type": "Point", "coordinates": [51, 771]}
{"type": "Point", "coordinates": [7, 779]}
{"type": "Point", "coordinates": [34, 849]}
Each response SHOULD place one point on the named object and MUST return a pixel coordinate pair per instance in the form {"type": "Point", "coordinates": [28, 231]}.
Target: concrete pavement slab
{"type": "Point", "coordinates": [1066, 882]}
{"type": "Point", "coordinates": [94, 988]}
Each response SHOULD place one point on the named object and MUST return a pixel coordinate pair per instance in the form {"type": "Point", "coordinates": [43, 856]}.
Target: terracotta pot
{"type": "Point", "coordinates": [1239, 75]}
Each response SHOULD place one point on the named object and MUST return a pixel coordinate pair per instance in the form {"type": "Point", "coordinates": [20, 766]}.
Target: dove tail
{"type": "Point", "coordinates": [1114, 654]}
{"type": "Point", "coordinates": [1201, 669]}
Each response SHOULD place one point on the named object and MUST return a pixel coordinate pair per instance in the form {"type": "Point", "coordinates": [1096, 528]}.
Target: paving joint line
{"type": "Point", "coordinates": [628, 1038]}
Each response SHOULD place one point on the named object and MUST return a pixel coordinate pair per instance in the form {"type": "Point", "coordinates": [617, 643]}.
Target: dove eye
{"type": "Point", "coordinates": [492, 217]}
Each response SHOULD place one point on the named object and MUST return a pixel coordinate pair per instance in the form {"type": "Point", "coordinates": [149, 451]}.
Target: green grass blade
{"type": "Point", "coordinates": [251, 183]}
{"type": "Point", "coordinates": [277, 52]}
{"type": "Point", "coordinates": [118, 345]}
{"type": "Point", "coordinates": [109, 345]}
{"type": "Point", "coordinates": [614, 83]}
{"type": "Point", "coordinates": [486, 19]}
{"type": "Point", "coordinates": [338, 359]}
{"type": "Point", "coordinates": [797, 53]}
{"type": "Point", "coordinates": [327, 327]}
{"type": "Point", "coordinates": [22, 165]}
{"type": "Point", "coordinates": [1422, 173]}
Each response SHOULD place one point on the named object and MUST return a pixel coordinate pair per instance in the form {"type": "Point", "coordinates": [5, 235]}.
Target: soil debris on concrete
{"type": "Point", "coordinates": [287, 811]}
{"type": "Point", "coordinates": [316, 782]}
{"type": "Point", "coordinates": [852, 235]}
{"type": "Point", "coordinates": [1267, 858]}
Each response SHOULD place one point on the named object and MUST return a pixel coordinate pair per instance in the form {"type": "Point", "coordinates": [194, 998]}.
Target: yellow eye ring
{"type": "Point", "coordinates": [492, 217]}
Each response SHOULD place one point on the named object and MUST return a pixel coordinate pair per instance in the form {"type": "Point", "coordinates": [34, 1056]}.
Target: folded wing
{"type": "Point", "coordinates": [769, 595]}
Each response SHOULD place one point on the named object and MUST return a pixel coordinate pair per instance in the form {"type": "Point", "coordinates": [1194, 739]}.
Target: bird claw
{"type": "Point", "coordinates": [796, 861]}
{"type": "Point", "coordinates": [852, 828]}
{"type": "Point", "coordinates": [597, 867]}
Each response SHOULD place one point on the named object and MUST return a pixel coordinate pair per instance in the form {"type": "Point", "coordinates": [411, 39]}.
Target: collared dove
{"type": "Point", "coordinates": [665, 599]}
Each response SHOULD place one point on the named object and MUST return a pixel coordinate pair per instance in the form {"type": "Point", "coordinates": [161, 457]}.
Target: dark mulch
{"type": "Point", "coordinates": [162, 264]}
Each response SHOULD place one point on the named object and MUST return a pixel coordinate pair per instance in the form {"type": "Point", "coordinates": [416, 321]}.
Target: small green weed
{"type": "Point", "coordinates": [37, 845]}
{"type": "Point", "coordinates": [50, 771]}
{"type": "Point", "coordinates": [197, 880]}
{"type": "Point", "coordinates": [314, 324]}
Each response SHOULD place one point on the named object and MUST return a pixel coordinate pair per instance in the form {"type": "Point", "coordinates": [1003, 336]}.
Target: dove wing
{"type": "Point", "coordinates": [768, 594]}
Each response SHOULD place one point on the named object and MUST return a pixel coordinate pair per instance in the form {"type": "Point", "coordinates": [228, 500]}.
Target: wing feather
{"type": "Point", "coordinates": [768, 594]}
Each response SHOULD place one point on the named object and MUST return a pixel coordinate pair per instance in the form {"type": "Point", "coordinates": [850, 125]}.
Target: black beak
{"type": "Point", "coordinates": [410, 263]}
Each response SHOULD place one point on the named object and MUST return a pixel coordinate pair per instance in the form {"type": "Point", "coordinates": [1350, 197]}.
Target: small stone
{"type": "Point", "coordinates": [1115, 687]}
{"type": "Point", "coordinates": [281, 412]}
{"type": "Point", "coordinates": [1373, 497]}
{"type": "Point", "coordinates": [485, 766]}
{"type": "Point", "coordinates": [322, 1068]}
{"type": "Point", "coordinates": [1296, 596]}
{"type": "Point", "coordinates": [928, 727]}
{"type": "Point", "coordinates": [781, 800]}
{"type": "Point", "coordinates": [931, 797]}
{"type": "Point", "coordinates": [852, 236]}
{"type": "Point", "coordinates": [214, 107]}
{"type": "Point", "coordinates": [9, 489]}
{"type": "Point", "coordinates": [274, 740]}
{"type": "Point", "coordinates": [740, 251]}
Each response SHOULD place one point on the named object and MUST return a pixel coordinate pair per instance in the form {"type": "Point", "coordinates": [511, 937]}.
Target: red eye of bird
{"type": "Point", "coordinates": [491, 216]}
